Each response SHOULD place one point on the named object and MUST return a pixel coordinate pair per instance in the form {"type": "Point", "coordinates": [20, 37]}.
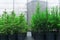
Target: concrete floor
{"type": "Point", "coordinates": [29, 36]}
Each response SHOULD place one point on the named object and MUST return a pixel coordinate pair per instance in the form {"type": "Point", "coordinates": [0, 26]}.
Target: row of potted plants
{"type": "Point", "coordinates": [45, 24]}
{"type": "Point", "coordinates": [13, 27]}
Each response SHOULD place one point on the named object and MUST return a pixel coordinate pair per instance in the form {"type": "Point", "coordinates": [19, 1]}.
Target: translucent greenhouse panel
{"type": "Point", "coordinates": [31, 7]}
{"type": "Point", "coordinates": [6, 4]}
{"type": "Point", "coordinates": [20, 6]}
{"type": "Point", "coordinates": [52, 3]}
{"type": "Point", "coordinates": [17, 6]}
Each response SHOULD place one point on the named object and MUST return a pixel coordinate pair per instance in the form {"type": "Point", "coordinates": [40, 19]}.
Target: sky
{"type": "Point", "coordinates": [20, 5]}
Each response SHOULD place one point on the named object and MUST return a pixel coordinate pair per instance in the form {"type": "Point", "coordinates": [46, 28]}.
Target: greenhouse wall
{"type": "Point", "coordinates": [31, 7]}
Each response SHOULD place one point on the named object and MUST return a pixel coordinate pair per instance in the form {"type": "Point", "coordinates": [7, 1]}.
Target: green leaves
{"type": "Point", "coordinates": [22, 23]}
{"type": "Point", "coordinates": [12, 23]}
{"type": "Point", "coordinates": [53, 19]}
{"type": "Point", "coordinates": [45, 20]}
{"type": "Point", "coordinates": [38, 21]}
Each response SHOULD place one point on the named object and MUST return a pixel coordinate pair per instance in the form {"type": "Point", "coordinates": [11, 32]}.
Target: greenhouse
{"type": "Point", "coordinates": [29, 19]}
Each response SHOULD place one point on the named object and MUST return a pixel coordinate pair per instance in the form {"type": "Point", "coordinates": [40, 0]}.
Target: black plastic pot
{"type": "Point", "coordinates": [21, 36]}
{"type": "Point", "coordinates": [38, 36]}
{"type": "Point", "coordinates": [2, 37]}
{"type": "Point", "coordinates": [33, 34]}
{"type": "Point", "coordinates": [7, 37]}
{"type": "Point", "coordinates": [17, 36]}
{"type": "Point", "coordinates": [13, 37]}
{"type": "Point", "coordinates": [58, 35]}
{"type": "Point", "coordinates": [51, 35]}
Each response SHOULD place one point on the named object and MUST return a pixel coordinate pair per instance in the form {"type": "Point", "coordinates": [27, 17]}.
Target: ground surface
{"type": "Point", "coordinates": [29, 36]}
